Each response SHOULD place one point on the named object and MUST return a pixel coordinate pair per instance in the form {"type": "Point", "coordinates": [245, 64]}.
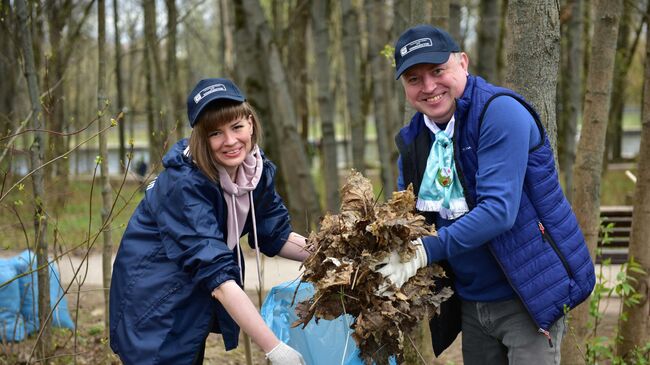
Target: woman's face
{"type": "Point", "coordinates": [231, 142]}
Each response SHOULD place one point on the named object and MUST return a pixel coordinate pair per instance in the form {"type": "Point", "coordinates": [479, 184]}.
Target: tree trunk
{"type": "Point", "coordinates": [176, 102]}
{"type": "Point", "coordinates": [375, 45]}
{"type": "Point", "coordinates": [589, 156]}
{"type": "Point", "coordinates": [118, 85]}
{"type": "Point", "coordinates": [36, 155]}
{"type": "Point", "coordinates": [634, 330]}
{"type": "Point", "coordinates": [439, 14]}
{"type": "Point", "coordinates": [8, 65]}
{"type": "Point", "coordinates": [303, 201]}
{"type": "Point", "coordinates": [501, 56]}
{"type": "Point", "coordinates": [151, 107]}
{"type": "Point", "coordinates": [107, 248]}
{"type": "Point", "coordinates": [615, 123]}
{"type": "Point", "coordinates": [533, 56]}
{"type": "Point", "coordinates": [297, 48]}
{"type": "Point", "coordinates": [573, 94]}
{"type": "Point", "coordinates": [488, 36]}
{"type": "Point", "coordinates": [401, 21]}
{"type": "Point", "coordinates": [351, 51]}
{"type": "Point", "coordinates": [228, 53]}
{"type": "Point", "coordinates": [325, 95]}
{"type": "Point", "coordinates": [57, 15]}
{"type": "Point", "coordinates": [161, 98]}
{"type": "Point", "coordinates": [455, 7]}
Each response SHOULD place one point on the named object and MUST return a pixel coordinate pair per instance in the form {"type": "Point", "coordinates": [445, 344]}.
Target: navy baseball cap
{"type": "Point", "coordinates": [207, 91]}
{"type": "Point", "coordinates": [422, 44]}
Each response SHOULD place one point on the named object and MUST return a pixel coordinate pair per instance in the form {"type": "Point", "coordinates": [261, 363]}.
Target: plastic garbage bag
{"type": "Point", "coordinates": [12, 327]}
{"type": "Point", "coordinates": [25, 262]}
{"type": "Point", "coordinates": [325, 343]}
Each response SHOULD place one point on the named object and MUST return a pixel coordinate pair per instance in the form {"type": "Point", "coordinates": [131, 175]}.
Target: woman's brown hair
{"type": "Point", "coordinates": [214, 116]}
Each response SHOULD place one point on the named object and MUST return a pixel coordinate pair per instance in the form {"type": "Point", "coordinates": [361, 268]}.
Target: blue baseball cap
{"type": "Point", "coordinates": [207, 91]}
{"type": "Point", "coordinates": [422, 44]}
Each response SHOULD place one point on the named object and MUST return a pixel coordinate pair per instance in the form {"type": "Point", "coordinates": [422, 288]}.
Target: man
{"type": "Point", "coordinates": [483, 171]}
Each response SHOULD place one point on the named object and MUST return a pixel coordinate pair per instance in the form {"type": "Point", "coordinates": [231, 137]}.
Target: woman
{"type": "Point", "coordinates": [178, 274]}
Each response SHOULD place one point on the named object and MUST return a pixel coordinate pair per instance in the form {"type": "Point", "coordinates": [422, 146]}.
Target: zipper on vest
{"type": "Point", "coordinates": [547, 237]}
{"type": "Point", "coordinates": [547, 334]}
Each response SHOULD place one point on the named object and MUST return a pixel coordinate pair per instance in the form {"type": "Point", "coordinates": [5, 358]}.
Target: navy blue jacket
{"type": "Point", "coordinates": [541, 251]}
{"type": "Point", "coordinates": [173, 255]}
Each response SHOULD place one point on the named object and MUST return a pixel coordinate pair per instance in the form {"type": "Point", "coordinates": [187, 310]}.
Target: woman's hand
{"type": "Point", "coordinates": [283, 354]}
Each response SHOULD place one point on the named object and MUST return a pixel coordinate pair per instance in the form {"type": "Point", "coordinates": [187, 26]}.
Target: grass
{"type": "Point", "coordinates": [78, 218]}
{"type": "Point", "coordinates": [616, 188]}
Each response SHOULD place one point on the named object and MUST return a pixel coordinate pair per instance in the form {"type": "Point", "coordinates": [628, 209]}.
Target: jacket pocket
{"type": "Point", "coordinates": [546, 236]}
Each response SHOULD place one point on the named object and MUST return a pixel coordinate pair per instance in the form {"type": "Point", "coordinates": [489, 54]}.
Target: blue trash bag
{"type": "Point", "coordinates": [25, 262]}
{"type": "Point", "coordinates": [12, 327]}
{"type": "Point", "coordinates": [325, 343]}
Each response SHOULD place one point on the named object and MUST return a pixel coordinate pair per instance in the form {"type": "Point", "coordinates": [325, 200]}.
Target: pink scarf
{"type": "Point", "coordinates": [246, 179]}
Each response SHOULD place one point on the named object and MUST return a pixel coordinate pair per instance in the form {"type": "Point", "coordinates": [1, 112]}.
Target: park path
{"type": "Point", "coordinates": [276, 271]}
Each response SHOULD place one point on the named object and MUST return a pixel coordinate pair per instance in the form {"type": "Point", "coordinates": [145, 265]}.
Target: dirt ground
{"type": "Point", "coordinates": [92, 348]}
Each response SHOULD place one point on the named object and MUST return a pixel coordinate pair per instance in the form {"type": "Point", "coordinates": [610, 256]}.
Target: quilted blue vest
{"type": "Point", "coordinates": [544, 255]}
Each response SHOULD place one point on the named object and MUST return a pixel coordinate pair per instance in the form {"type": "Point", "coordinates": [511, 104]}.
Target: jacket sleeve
{"type": "Point", "coordinates": [400, 176]}
{"type": "Point", "coordinates": [272, 216]}
{"type": "Point", "coordinates": [191, 234]}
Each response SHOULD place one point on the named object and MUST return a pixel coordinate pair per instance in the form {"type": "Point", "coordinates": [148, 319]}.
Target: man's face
{"type": "Point", "coordinates": [432, 88]}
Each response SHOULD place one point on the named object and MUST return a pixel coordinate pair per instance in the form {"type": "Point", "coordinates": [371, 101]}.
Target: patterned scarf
{"type": "Point", "coordinates": [441, 190]}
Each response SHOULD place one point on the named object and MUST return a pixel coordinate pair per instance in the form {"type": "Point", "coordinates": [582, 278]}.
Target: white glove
{"type": "Point", "coordinates": [283, 354]}
{"type": "Point", "coordinates": [399, 272]}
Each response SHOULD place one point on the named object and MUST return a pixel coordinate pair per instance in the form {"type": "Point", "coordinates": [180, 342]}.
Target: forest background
{"type": "Point", "coordinates": [93, 94]}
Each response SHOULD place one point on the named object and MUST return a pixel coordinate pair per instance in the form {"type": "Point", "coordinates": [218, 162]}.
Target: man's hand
{"type": "Point", "coordinates": [399, 272]}
{"type": "Point", "coordinates": [283, 354]}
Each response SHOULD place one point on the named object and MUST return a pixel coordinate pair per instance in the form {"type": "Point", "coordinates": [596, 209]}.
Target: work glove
{"type": "Point", "coordinates": [399, 272]}
{"type": "Point", "coordinates": [283, 354]}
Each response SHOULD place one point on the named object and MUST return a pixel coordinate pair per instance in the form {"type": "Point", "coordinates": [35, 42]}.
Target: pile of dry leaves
{"type": "Point", "coordinates": [344, 252]}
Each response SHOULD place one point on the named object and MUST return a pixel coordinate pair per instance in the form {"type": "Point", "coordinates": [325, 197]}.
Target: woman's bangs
{"type": "Point", "coordinates": [215, 118]}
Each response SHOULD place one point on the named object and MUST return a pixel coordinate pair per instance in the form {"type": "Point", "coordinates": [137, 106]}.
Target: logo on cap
{"type": "Point", "coordinates": [208, 90]}
{"type": "Point", "coordinates": [416, 44]}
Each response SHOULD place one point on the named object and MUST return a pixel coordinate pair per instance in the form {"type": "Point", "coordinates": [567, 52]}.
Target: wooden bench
{"type": "Point", "coordinates": [620, 218]}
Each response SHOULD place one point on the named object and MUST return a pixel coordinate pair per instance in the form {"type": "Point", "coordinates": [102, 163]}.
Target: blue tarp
{"type": "Point", "coordinates": [325, 343]}
{"type": "Point", "coordinates": [19, 299]}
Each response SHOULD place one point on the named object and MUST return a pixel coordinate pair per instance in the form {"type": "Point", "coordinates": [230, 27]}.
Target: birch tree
{"type": "Point", "coordinates": [533, 56]}
{"type": "Point", "coordinates": [589, 156]}
{"type": "Point", "coordinates": [36, 151]}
